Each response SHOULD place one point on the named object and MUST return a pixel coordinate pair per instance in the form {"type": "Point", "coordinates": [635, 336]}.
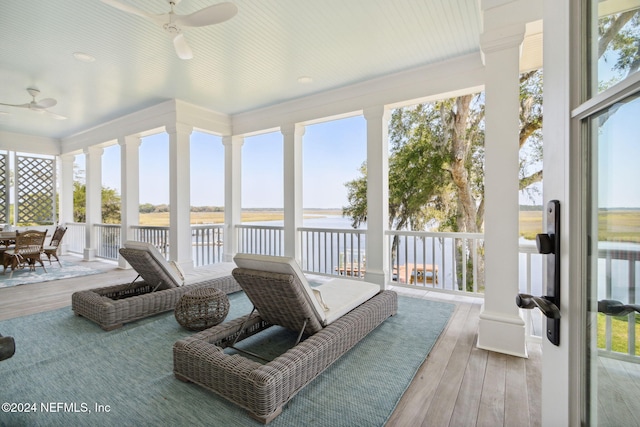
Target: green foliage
{"type": "Point", "coordinates": [110, 204]}
{"type": "Point", "coordinates": [619, 41]}
{"type": "Point", "coordinates": [436, 161]}
{"type": "Point", "coordinates": [357, 198]}
{"type": "Point", "coordinates": [79, 202]}
{"type": "Point", "coordinates": [147, 208]}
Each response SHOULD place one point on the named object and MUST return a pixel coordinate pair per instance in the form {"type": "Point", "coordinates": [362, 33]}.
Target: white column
{"type": "Point", "coordinates": [179, 194]}
{"type": "Point", "coordinates": [377, 246]}
{"type": "Point", "coordinates": [501, 328]}
{"type": "Point", "coordinates": [66, 195]}
{"type": "Point", "coordinates": [130, 185]}
{"type": "Point", "coordinates": [66, 188]}
{"type": "Point", "coordinates": [292, 140]}
{"type": "Point", "coordinates": [93, 160]}
{"type": "Point", "coordinates": [232, 193]}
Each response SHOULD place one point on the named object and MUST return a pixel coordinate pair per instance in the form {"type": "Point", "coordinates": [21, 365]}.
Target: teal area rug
{"type": "Point", "coordinates": [54, 271]}
{"type": "Point", "coordinates": [69, 372]}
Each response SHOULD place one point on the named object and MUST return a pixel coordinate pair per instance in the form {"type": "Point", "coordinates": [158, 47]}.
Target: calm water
{"type": "Point", "coordinates": [419, 251]}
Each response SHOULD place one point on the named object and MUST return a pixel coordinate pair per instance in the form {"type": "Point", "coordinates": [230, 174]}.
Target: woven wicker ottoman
{"type": "Point", "coordinates": [262, 389]}
{"type": "Point", "coordinates": [202, 308]}
{"type": "Point", "coordinates": [113, 306]}
{"type": "Point", "coordinates": [161, 287]}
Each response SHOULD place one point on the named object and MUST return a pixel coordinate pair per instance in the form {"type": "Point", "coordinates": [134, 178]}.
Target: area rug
{"type": "Point", "coordinates": [67, 371]}
{"type": "Point", "coordinates": [54, 272]}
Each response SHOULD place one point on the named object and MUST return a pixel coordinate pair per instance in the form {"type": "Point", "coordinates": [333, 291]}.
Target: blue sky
{"type": "Point", "coordinates": [332, 155]}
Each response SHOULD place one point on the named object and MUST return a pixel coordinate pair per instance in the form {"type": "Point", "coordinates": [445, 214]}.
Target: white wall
{"type": "Point", "coordinates": [29, 144]}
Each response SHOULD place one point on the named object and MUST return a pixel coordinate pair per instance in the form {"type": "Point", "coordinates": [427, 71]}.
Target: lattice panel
{"type": "Point", "coordinates": [4, 188]}
{"type": "Point", "coordinates": [35, 189]}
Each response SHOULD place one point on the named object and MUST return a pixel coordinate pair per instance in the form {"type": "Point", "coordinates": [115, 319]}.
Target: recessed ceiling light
{"type": "Point", "coordinates": [84, 57]}
{"type": "Point", "coordinates": [304, 79]}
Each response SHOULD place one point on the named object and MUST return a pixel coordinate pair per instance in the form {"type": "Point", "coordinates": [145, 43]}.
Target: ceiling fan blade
{"type": "Point", "coordinates": [46, 103]}
{"type": "Point", "coordinates": [130, 9]}
{"type": "Point", "coordinates": [209, 15]}
{"type": "Point", "coordinates": [16, 105]}
{"type": "Point", "coordinates": [182, 47]}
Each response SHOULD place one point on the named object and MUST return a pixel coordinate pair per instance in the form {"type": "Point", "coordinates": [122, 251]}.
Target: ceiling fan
{"type": "Point", "coordinates": [172, 23]}
{"type": "Point", "coordinates": [38, 106]}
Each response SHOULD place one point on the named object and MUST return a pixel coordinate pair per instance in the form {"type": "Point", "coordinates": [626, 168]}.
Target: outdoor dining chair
{"type": "Point", "coordinates": [28, 250]}
{"type": "Point", "coordinates": [51, 250]}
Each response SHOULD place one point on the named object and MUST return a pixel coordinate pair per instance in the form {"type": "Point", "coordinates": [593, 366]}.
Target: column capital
{"type": "Point", "coordinates": [68, 157]}
{"type": "Point", "coordinates": [295, 129]}
{"type": "Point", "coordinates": [230, 140]}
{"type": "Point", "coordinates": [129, 140]}
{"type": "Point", "coordinates": [179, 128]}
{"type": "Point", "coordinates": [93, 150]}
{"type": "Point", "coordinates": [503, 38]}
{"type": "Point", "coordinates": [375, 112]}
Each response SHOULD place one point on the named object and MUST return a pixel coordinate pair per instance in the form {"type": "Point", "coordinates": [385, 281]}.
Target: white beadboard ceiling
{"type": "Point", "coordinates": [251, 61]}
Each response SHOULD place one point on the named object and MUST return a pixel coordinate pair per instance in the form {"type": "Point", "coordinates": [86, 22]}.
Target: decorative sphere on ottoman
{"type": "Point", "coordinates": [202, 308]}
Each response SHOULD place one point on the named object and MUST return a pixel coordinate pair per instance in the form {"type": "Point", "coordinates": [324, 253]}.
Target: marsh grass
{"type": "Point", "coordinates": [614, 225]}
{"type": "Point", "coordinates": [161, 219]}
{"type": "Point", "coordinates": [619, 333]}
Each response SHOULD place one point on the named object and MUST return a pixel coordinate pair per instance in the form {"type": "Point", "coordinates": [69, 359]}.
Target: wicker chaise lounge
{"type": "Point", "coordinates": [334, 321]}
{"type": "Point", "coordinates": [161, 287]}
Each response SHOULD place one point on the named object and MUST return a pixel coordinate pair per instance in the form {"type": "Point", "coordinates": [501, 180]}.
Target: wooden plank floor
{"type": "Point", "coordinates": [457, 385]}
{"type": "Point", "coordinates": [462, 385]}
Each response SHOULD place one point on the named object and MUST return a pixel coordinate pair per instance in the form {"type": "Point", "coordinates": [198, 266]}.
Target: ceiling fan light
{"type": "Point", "coordinates": [83, 57]}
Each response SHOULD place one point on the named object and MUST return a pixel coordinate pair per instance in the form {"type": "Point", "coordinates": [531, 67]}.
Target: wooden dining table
{"type": "Point", "coordinates": [7, 238]}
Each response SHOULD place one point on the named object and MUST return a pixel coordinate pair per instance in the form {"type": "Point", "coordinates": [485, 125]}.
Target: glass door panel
{"type": "Point", "coordinates": [613, 264]}
{"type": "Point", "coordinates": [616, 54]}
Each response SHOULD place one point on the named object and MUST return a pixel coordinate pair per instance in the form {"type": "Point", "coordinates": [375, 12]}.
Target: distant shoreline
{"type": "Point", "coordinates": [161, 219]}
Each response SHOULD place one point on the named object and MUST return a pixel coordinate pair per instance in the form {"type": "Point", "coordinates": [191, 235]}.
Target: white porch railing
{"type": "Point", "coordinates": [74, 239]}
{"type": "Point", "coordinates": [207, 241]}
{"type": "Point", "coordinates": [107, 240]}
{"type": "Point", "coordinates": [156, 235]}
{"type": "Point", "coordinates": [333, 251]}
{"type": "Point", "coordinates": [618, 263]}
{"type": "Point", "coordinates": [418, 259]}
{"type": "Point", "coordinates": [437, 260]}
{"type": "Point", "coordinates": [261, 239]}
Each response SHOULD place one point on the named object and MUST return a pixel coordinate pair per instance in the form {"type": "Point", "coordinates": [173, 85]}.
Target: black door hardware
{"type": "Point", "coordinates": [549, 244]}
{"type": "Point", "coordinates": [616, 308]}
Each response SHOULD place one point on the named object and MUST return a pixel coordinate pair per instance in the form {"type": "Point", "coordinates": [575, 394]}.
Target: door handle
{"type": "Point", "coordinates": [548, 244]}
{"type": "Point", "coordinates": [546, 306]}
{"type": "Point", "coordinates": [616, 308]}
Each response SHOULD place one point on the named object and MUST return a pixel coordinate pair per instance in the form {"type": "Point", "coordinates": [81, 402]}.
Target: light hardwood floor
{"type": "Point", "coordinates": [457, 385]}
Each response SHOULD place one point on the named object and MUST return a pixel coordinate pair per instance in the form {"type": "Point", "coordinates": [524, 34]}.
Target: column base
{"type": "Point", "coordinates": [502, 333]}
{"type": "Point", "coordinates": [89, 254]}
{"type": "Point", "coordinates": [378, 277]}
{"type": "Point", "coordinates": [123, 264]}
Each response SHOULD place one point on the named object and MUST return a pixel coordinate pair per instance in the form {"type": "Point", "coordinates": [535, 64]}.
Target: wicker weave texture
{"type": "Point", "coordinates": [147, 267]}
{"type": "Point", "coordinates": [279, 298]}
{"type": "Point", "coordinates": [112, 306]}
{"type": "Point", "coordinates": [264, 389]}
{"type": "Point", "coordinates": [202, 308]}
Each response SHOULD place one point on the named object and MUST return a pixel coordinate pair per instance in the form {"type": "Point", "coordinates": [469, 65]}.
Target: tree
{"type": "Point", "coordinates": [619, 34]}
{"type": "Point", "coordinates": [437, 159]}
{"type": "Point", "coordinates": [147, 208]}
{"type": "Point", "coordinates": [436, 163]}
{"type": "Point", "coordinates": [110, 204]}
